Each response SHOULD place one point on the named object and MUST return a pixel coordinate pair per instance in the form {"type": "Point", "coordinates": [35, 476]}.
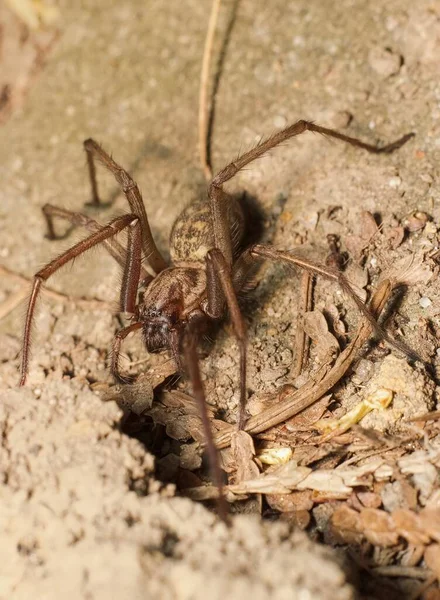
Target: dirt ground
{"type": "Point", "coordinates": [83, 509]}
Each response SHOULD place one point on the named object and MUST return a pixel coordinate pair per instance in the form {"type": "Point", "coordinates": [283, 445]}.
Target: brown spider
{"type": "Point", "coordinates": [208, 267]}
{"type": "Point", "coordinates": [207, 271]}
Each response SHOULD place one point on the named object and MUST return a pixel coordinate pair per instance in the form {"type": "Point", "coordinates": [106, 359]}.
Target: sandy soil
{"type": "Point", "coordinates": [82, 512]}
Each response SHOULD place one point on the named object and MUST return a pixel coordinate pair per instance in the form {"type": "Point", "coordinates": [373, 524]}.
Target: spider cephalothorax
{"type": "Point", "coordinates": [170, 301]}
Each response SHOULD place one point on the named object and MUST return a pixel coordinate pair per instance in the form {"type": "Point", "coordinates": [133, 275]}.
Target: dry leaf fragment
{"type": "Point", "coordinates": [296, 501]}
{"type": "Point", "coordinates": [330, 483]}
{"type": "Point", "coordinates": [243, 452]}
{"type": "Point", "coordinates": [279, 481]}
{"type": "Point", "coordinates": [409, 270]}
{"type": "Point", "coordinates": [346, 525]}
{"type": "Point", "coordinates": [305, 419]}
{"type": "Point", "coordinates": [243, 459]}
{"type": "Point", "coordinates": [383, 473]}
{"type": "Point", "coordinates": [369, 499]}
{"type": "Point", "coordinates": [355, 475]}
{"type": "Point", "coordinates": [367, 230]}
{"type": "Point", "coordinates": [395, 236]}
{"type": "Point", "coordinates": [424, 474]}
{"type": "Point", "coordinates": [275, 456]}
{"type": "Point", "coordinates": [325, 481]}
{"type": "Point", "coordinates": [358, 278]}
{"type": "Point", "coordinates": [315, 325]}
{"type": "Point", "coordinates": [398, 494]}
{"type": "Point", "coordinates": [378, 527]}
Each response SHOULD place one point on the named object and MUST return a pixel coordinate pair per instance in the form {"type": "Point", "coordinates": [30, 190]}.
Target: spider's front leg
{"type": "Point", "coordinates": [130, 277]}
{"type": "Point", "coordinates": [191, 359]}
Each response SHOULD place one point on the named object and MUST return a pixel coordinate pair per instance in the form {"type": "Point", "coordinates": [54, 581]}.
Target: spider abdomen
{"type": "Point", "coordinates": [192, 235]}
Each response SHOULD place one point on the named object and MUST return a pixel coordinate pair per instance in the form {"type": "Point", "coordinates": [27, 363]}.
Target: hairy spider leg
{"type": "Point", "coordinates": [113, 247]}
{"type": "Point", "coordinates": [108, 231]}
{"type": "Point", "coordinates": [134, 199]}
{"type": "Point", "coordinates": [222, 235]}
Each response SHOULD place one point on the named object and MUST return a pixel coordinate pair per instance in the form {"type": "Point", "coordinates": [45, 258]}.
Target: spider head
{"type": "Point", "coordinates": [162, 314]}
{"type": "Point", "coordinates": [169, 303]}
{"type": "Point", "coordinates": [158, 333]}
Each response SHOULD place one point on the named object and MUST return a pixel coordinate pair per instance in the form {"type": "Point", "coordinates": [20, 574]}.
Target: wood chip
{"type": "Point", "coordinates": [346, 525]}
{"type": "Point", "coordinates": [378, 527]}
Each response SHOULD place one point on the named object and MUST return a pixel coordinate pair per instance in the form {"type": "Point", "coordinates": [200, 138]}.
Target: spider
{"type": "Point", "coordinates": [207, 268]}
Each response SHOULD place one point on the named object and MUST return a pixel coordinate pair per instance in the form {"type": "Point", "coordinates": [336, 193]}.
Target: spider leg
{"type": "Point", "coordinates": [192, 366]}
{"type": "Point", "coordinates": [222, 235]}
{"type": "Point", "coordinates": [264, 251]}
{"type": "Point", "coordinates": [220, 287]}
{"type": "Point", "coordinates": [113, 247]}
{"type": "Point", "coordinates": [134, 198]}
{"type": "Point", "coordinates": [106, 232]}
{"type": "Point", "coordinates": [96, 201]}
{"type": "Point", "coordinates": [116, 349]}
{"type": "Point", "coordinates": [129, 287]}
{"type": "Point", "coordinates": [132, 268]}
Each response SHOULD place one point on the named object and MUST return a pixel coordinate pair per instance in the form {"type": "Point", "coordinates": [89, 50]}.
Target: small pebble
{"type": "Point", "coordinates": [425, 302]}
{"type": "Point", "coordinates": [416, 221]}
{"type": "Point", "coordinates": [279, 121]}
{"type": "Point", "coordinates": [342, 119]}
{"type": "Point", "coordinates": [385, 62]}
{"type": "Point", "coordinates": [394, 182]}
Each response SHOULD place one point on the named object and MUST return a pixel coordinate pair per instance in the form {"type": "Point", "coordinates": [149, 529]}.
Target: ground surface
{"type": "Point", "coordinates": [74, 510]}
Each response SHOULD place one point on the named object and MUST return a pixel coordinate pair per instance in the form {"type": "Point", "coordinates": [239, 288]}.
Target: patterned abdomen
{"type": "Point", "coordinates": [192, 234]}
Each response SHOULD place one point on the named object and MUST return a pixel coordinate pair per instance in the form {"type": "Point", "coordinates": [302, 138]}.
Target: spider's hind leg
{"type": "Point", "coordinates": [133, 196]}
{"type": "Point", "coordinates": [260, 251]}
{"type": "Point", "coordinates": [216, 194]}
{"type": "Point", "coordinates": [220, 288]}
{"type": "Point", "coordinates": [189, 347]}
